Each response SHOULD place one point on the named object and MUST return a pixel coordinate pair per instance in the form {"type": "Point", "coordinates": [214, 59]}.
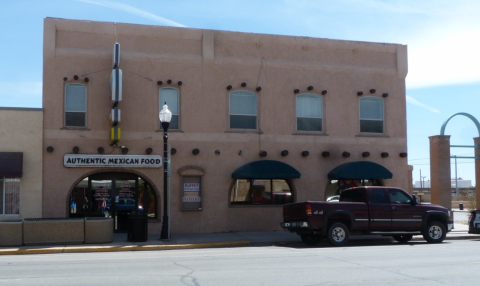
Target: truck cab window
{"type": "Point", "coordinates": [379, 197]}
{"type": "Point", "coordinates": [399, 197]}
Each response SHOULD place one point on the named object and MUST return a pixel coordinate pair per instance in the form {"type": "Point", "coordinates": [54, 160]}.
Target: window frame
{"type": "Point", "coordinates": [160, 106]}
{"type": "Point", "coordinates": [4, 195]}
{"type": "Point", "coordinates": [65, 107]}
{"type": "Point", "coordinates": [257, 117]}
{"type": "Point", "coordinates": [322, 117]}
{"type": "Point", "coordinates": [251, 203]}
{"type": "Point", "coordinates": [360, 114]}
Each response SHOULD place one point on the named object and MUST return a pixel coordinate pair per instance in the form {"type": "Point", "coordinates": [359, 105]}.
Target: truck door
{"type": "Point", "coordinates": [404, 215]}
{"type": "Point", "coordinates": [380, 210]}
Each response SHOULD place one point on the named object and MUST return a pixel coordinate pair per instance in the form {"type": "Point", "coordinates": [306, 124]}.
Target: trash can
{"type": "Point", "coordinates": [137, 227]}
{"type": "Point", "coordinates": [460, 206]}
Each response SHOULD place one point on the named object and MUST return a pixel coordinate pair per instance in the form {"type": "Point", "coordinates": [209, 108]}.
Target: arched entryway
{"type": "Point", "coordinates": [354, 174]}
{"type": "Point", "coordinates": [113, 194]}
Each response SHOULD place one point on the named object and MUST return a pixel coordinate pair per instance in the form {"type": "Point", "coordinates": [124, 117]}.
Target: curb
{"type": "Point", "coordinates": [120, 248]}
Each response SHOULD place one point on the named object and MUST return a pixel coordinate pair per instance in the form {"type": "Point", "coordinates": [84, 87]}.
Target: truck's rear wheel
{"type": "Point", "coordinates": [435, 232]}
{"type": "Point", "coordinates": [403, 238]}
{"type": "Point", "coordinates": [311, 239]}
{"type": "Point", "coordinates": [337, 234]}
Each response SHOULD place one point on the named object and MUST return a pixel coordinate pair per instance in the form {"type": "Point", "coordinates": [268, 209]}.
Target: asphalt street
{"type": "Point", "coordinates": [360, 263]}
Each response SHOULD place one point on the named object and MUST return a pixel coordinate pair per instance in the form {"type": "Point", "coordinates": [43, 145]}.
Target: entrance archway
{"type": "Point", "coordinates": [113, 194]}
{"type": "Point", "coordinates": [440, 173]}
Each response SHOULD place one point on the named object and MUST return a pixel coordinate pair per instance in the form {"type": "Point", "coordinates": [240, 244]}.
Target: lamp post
{"type": "Point", "coordinates": [165, 116]}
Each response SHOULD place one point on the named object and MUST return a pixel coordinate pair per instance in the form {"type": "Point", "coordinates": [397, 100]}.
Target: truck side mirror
{"type": "Point", "coordinates": [414, 200]}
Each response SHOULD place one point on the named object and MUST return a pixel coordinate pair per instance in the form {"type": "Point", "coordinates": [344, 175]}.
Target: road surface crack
{"type": "Point", "coordinates": [188, 277]}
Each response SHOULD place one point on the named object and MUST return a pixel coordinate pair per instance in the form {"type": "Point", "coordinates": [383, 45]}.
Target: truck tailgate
{"type": "Point", "coordinates": [295, 212]}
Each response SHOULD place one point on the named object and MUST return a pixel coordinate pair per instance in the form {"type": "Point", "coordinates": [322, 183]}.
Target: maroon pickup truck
{"type": "Point", "coordinates": [383, 211]}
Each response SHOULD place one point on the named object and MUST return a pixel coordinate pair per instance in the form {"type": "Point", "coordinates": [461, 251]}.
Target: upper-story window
{"type": "Point", "coordinates": [309, 112]}
{"type": "Point", "coordinates": [75, 105]}
{"type": "Point", "coordinates": [371, 115]}
{"type": "Point", "coordinates": [243, 110]}
{"type": "Point", "coordinates": [171, 97]}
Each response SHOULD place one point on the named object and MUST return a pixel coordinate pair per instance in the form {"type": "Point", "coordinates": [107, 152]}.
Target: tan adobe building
{"type": "Point", "coordinates": [21, 154]}
{"type": "Point", "coordinates": [258, 121]}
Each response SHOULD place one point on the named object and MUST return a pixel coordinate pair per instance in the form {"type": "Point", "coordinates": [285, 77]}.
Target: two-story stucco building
{"type": "Point", "coordinates": [258, 121]}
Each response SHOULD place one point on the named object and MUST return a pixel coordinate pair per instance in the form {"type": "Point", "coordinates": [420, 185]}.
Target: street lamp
{"type": "Point", "coordinates": [165, 116]}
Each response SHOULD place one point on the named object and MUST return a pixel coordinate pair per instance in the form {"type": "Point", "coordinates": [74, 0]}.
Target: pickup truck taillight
{"type": "Point", "coordinates": [308, 209]}
{"type": "Point", "coordinates": [472, 217]}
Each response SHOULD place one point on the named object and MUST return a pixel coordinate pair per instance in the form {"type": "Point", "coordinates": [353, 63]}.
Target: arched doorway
{"type": "Point", "coordinates": [115, 195]}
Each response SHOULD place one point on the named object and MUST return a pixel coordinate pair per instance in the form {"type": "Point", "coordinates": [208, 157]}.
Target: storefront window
{"type": "Point", "coordinates": [260, 191]}
{"type": "Point", "coordinates": [112, 195]}
{"type": "Point", "coordinates": [335, 187]}
{"type": "Point", "coordinates": [9, 196]}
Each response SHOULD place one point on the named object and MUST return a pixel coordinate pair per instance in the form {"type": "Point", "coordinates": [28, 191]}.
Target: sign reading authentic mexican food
{"type": "Point", "coordinates": [94, 160]}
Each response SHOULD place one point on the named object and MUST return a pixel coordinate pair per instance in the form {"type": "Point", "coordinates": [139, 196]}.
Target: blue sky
{"type": "Point", "coordinates": [443, 39]}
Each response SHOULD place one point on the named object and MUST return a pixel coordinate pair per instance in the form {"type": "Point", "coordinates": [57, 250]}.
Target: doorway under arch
{"type": "Point", "coordinates": [113, 194]}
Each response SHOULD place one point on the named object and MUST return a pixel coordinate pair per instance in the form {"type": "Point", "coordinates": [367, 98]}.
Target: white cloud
{"type": "Point", "coordinates": [418, 103]}
{"type": "Point", "coordinates": [134, 11]}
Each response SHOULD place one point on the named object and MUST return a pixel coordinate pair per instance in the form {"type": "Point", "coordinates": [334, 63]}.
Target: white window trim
{"type": "Point", "coordinates": [256, 129]}
{"type": "Point", "coordinates": [322, 117]}
{"type": "Point", "coordinates": [160, 105]}
{"type": "Point", "coordinates": [360, 119]}
{"type": "Point", "coordinates": [19, 199]}
{"type": "Point", "coordinates": [65, 107]}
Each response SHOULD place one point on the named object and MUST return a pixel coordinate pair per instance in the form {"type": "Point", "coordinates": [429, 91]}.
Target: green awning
{"type": "Point", "coordinates": [362, 170]}
{"type": "Point", "coordinates": [266, 169]}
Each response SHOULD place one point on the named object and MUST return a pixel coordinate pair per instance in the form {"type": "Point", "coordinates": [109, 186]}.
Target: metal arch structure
{"type": "Point", "coordinates": [444, 125]}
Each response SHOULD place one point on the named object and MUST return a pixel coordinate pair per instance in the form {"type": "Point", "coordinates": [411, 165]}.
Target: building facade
{"type": "Point", "coordinates": [258, 121]}
{"type": "Point", "coordinates": [21, 154]}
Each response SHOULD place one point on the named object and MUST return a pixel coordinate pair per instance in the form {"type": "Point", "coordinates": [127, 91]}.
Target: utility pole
{"type": "Point", "coordinates": [456, 181]}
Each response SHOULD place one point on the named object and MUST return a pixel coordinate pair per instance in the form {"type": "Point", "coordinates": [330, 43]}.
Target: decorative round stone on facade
{"type": "Point", "coordinates": [75, 77]}
{"type": "Point", "coordinates": [284, 153]}
{"type": "Point", "coordinates": [324, 92]}
{"type": "Point", "coordinates": [263, 153]}
{"type": "Point", "coordinates": [169, 81]}
{"type": "Point", "coordinates": [124, 150]}
{"type": "Point", "coordinates": [195, 151]}
{"type": "Point", "coordinates": [296, 91]}
{"type": "Point", "coordinates": [384, 154]}
{"type": "Point", "coordinates": [229, 87]}
{"type": "Point", "coordinates": [244, 84]}
{"type": "Point", "coordinates": [173, 151]}
{"type": "Point", "coordinates": [76, 149]}
{"type": "Point", "coordinates": [360, 93]}
{"type": "Point", "coordinates": [346, 154]}
{"type": "Point", "coordinates": [50, 149]}
{"type": "Point", "coordinates": [385, 94]}
{"type": "Point", "coordinates": [403, 154]}
{"type": "Point", "coordinates": [310, 88]}
{"type": "Point", "coordinates": [159, 82]}
{"type": "Point", "coordinates": [366, 154]}
{"type": "Point", "coordinates": [373, 90]}
{"type": "Point", "coordinates": [258, 88]}
{"type": "Point", "coordinates": [100, 150]}
{"type": "Point", "coordinates": [149, 151]}
{"type": "Point", "coordinates": [325, 154]}
{"type": "Point", "coordinates": [86, 79]}
{"type": "Point", "coordinates": [305, 153]}
{"type": "Point", "coordinates": [217, 152]}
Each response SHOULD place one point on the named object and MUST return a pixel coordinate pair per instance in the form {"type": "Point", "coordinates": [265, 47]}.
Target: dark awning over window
{"type": "Point", "coordinates": [360, 170]}
{"type": "Point", "coordinates": [266, 169]}
{"type": "Point", "coordinates": [11, 164]}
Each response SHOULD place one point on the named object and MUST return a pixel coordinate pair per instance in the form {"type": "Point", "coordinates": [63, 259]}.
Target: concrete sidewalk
{"type": "Point", "coordinates": [211, 240]}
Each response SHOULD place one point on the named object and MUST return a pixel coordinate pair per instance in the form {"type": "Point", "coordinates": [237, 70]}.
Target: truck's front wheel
{"type": "Point", "coordinates": [337, 234]}
{"type": "Point", "coordinates": [435, 232]}
{"type": "Point", "coordinates": [311, 239]}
